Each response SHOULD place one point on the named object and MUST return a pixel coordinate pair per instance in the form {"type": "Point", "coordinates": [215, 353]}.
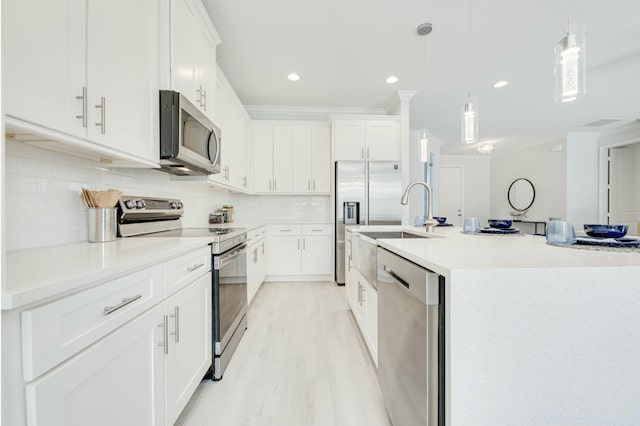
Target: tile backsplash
{"type": "Point", "coordinates": [44, 207]}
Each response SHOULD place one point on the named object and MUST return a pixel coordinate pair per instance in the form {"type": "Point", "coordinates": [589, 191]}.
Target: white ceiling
{"type": "Point", "coordinates": [344, 50]}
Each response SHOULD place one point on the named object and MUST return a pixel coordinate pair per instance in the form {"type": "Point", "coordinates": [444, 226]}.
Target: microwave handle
{"type": "Point", "coordinates": [217, 142]}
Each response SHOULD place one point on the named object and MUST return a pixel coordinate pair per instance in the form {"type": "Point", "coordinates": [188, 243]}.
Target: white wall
{"type": "Point", "coordinates": [476, 176]}
{"type": "Point", "coordinates": [547, 171]}
{"type": "Point", "coordinates": [582, 178]}
{"type": "Point", "coordinates": [44, 207]}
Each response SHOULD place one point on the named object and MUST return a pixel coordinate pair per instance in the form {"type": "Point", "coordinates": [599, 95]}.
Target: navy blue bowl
{"type": "Point", "coordinates": [606, 231]}
{"type": "Point", "coordinates": [500, 223]}
{"type": "Point", "coordinates": [440, 219]}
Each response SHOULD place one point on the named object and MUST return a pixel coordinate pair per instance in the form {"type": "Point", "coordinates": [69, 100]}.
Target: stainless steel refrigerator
{"type": "Point", "coordinates": [367, 193]}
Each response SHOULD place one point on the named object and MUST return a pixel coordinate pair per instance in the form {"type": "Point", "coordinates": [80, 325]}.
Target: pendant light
{"type": "Point", "coordinates": [570, 64]}
{"type": "Point", "coordinates": [424, 147]}
{"type": "Point", "coordinates": [469, 124]}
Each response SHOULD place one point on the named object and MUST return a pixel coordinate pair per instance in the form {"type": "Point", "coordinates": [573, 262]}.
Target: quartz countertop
{"type": "Point", "coordinates": [483, 251]}
{"type": "Point", "coordinates": [38, 275]}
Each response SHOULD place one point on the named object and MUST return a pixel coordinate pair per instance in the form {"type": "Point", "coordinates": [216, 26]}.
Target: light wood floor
{"type": "Point", "coordinates": [301, 362]}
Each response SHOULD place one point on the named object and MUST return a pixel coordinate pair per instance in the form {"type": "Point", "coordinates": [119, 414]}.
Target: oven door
{"type": "Point", "coordinates": [229, 294]}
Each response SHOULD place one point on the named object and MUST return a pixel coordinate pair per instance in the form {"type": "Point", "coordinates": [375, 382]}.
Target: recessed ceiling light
{"type": "Point", "coordinates": [293, 76]}
{"type": "Point", "coordinates": [392, 79]}
{"type": "Point", "coordinates": [499, 84]}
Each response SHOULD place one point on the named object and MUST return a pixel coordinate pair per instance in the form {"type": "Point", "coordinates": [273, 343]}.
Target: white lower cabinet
{"type": "Point", "coordinates": [139, 359]}
{"type": "Point", "coordinates": [117, 381]}
{"type": "Point", "coordinates": [189, 343]}
{"type": "Point", "coordinates": [300, 250]}
{"type": "Point", "coordinates": [256, 261]}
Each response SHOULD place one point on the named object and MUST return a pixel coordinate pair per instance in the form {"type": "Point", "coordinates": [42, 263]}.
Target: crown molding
{"type": "Point", "coordinates": [271, 112]}
{"type": "Point", "coordinates": [399, 97]}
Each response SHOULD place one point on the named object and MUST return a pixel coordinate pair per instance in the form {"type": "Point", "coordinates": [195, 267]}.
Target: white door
{"type": "Point", "coordinates": [190, 346]}
{"type": "Point", "coordinates": [182, 49]}
{"type": "Point", "coordinates": [205, 71]}
{"type": "Point", "coordinates": [382, 141]}
{"type": "Point", "coordinates": [284, 255]}
{"type": "Point", "coordinates": [624, 193]}
{"type": "Point", "coordinates": [262, 159]}
{"type": "Point", "coordinates": [302, 158]}
{"type": "Point", "coordinates": [450, 194]}
{"type": "Point", "coordinates": [117, 381]}
{"type": "Point", "coordinates": [283, 159]}
{"type": "Point", "coordinates": [316, 255]}
{"type": "Point", "coordinates": [348, 140]}
{"type": "Point", "coordinates": [122, 75]}
{"type": "Point", "coordinates": [320, 159]}
{"type": "Point", "coordinates": [43, 62]}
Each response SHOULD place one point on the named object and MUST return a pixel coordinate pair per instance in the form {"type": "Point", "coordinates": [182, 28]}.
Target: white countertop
{"type": "Point", "coordinates": [483, 251]}
{"type": "Point", "coordinates": [38, 275]}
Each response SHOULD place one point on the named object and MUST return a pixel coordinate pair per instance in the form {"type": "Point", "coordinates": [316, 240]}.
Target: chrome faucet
{"type": "Point", "coordinates": [430, 222]}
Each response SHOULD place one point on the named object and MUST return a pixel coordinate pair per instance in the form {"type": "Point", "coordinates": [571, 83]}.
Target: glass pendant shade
{"type": "Point", "coordinates": [484, 148]}
{"type": "Point", "coordinates": [424, 148]}
{"type": "Point", "coordinates": [470, 121]}
{"type": "Point", "coordinates": [570, 65]}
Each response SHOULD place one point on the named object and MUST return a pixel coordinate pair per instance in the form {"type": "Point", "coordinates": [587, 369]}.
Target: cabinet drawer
{"type": "Point", "coordinates": [256, 234]}
{"type": "Point", "coordinates": [319, 229]}
{"type": "Point", "coordinates": [185, 269]}
{"type": "Point", "coordinates": [54, 332]}
{"type": "Point", "coordinates": [284, 229]}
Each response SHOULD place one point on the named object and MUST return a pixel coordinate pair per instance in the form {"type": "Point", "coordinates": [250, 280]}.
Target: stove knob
{"type": "Point", "coordinates": [139, 204]}
{"type": "Point", "coordinates": [144, 205]}
{"type": "Point", "coordinates": [130, 204]}
{"type": "Point", "coordinates": [179, 204]}
{"type": "Point", "coordinates": [173, 205]}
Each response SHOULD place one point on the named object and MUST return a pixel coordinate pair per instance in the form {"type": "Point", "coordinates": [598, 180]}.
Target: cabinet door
{"type": "Point", "coordinates": [320, 159]}
{"type": "Point", "coordinates": [263, 159]}
{"type": "Point", "coordinates": [253, 271]}
{"type": "Point", "coordinates": [316, 255]}
{"type": "Point", "coordinates": [383, 141]}
{"type": "Point", "coordinates": [43, 62]}
{"type": "Point", "coordinates": [122, 75]}
{"type": "Point", "coordinates": [190, 346]}
{"type": "Point", "coordinates": [183, 21]}
{"type": "Point", "coordinates": [283, 159]}
{"type": "Point", "coordinates": [205, 71]}
{"type": "Point", "coordinates": [302, 180]}
{"type": "Point", "coordinates": [284, 255]}
{"type": "Point", "coordinates": [371, 320]}
{"type": "Point", "coordinates": [237, 173]}
{"type": "Point", "coordinates": [117, 381]}
{"type": "Point", "coordinates": [349, 137]}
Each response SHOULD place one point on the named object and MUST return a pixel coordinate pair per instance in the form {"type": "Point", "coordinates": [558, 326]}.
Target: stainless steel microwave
{"type": "Point", "coordinates": [189, 141]}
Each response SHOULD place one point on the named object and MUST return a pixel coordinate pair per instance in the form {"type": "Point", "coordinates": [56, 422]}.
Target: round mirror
{"type": "Point", "coordinates": [521, 194]}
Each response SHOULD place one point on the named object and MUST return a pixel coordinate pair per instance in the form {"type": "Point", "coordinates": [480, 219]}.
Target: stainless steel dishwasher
{"type": "Point", "coordinates": [410, 341]}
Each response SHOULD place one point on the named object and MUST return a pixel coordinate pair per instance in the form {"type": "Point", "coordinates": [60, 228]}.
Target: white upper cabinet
{"type": "Point", "coordinates": [193, 54]}
{"type": "Point", "coordinates": [311, 159]}
{"type": "Point", "coordinates": [64, 73]}
{"type": "Point", "coordinates": [44, 66]}
{"type": "Point", "coordinates": [234, 123]}
{"type": "Point", "coordinates": [292, 157]}
{"type": "Point", "coordinates": [370, 139]}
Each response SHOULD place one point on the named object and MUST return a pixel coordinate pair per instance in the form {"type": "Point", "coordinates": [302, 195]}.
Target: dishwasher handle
{"type": "Point", "coordinates": [397, 278]}
{"type": "Point", "coordinates": [421, 283]}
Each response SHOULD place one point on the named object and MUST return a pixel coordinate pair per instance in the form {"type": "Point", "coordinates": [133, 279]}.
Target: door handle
{"type": "Point", "coordinates": [165, 326]}
{"type": "Point", "coordinates": [176, 315]}
{"type": "Point", "coordinates": [84, 106]}
{"type": "Point", "coordinates": [111, 309]}
{"type": "Point", "coordinates": [102, 107]}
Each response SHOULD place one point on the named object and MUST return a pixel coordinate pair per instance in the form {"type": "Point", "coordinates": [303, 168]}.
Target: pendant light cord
{"type": "Point", "coordinates": [469, 48]}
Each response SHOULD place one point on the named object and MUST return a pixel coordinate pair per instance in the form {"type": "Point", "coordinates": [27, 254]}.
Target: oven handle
{"type": "Point", "coordinates": [221, 261]}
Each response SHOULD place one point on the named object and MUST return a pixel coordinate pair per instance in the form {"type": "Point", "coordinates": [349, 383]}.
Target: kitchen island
{"type": "Point", "coordinates": [535, 334]}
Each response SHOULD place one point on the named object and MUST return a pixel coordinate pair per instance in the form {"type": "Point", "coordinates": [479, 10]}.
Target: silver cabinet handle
{"type": "Point", "coordinates": [102, 107]}
{"type": "Point", "coordinates": [275, 185]}
{"type": "Point", "coordinates": [304, 244]}
{"type": "Point", "coordinates": [84, 106]}
{"type": "Point", "coordinates": [314, 185]}
{"type": "Point", "coordinates": [308, 185]}
{"type": "Point", "coordinates": [176, 315]}
{"type": "Point", "coordinates": [359, 293]}
{"type": "Point", "coordinates": [194, 267]}
{"type": "Point", "coordinates": [262, 248]}
{"type": "Point", "coordinates": [111, 309]}
{"type": "Point", "coordinates": [199, 92]}
{"type": "Point", "coordinates": [286, 230]}
{"type": "Point", "coordinates": [204, 95]}
{"type": "Point", "coordinates": [269, 184]}
{"type": "Point", "coordinates": [165, 326]}
{"type": "Point", "coordinates": [363, 298]}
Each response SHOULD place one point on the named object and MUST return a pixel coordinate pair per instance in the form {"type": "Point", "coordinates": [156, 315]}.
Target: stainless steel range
{"type": "Point", "coordinates": [157, 217]}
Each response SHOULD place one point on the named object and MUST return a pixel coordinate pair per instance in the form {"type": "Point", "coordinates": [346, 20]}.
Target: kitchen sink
{"type": "Point", "coordinates": [391, 234]}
